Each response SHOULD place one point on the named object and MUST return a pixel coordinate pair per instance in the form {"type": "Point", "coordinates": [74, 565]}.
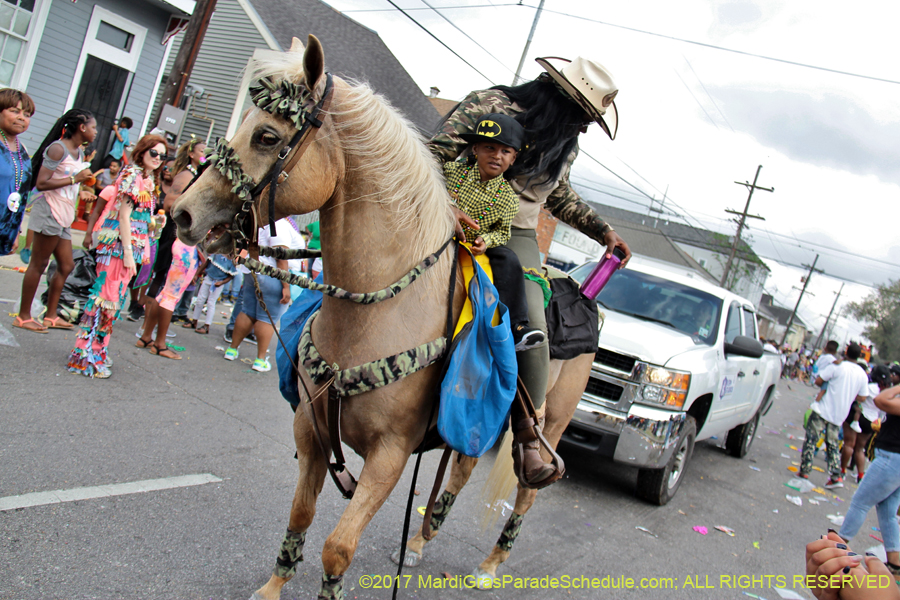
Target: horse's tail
{"type": "Point", "coordinates": [500, 482]}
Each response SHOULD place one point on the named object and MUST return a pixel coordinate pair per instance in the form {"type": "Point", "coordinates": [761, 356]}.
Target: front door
{"type": "Point", "coordinates": [100, 92]}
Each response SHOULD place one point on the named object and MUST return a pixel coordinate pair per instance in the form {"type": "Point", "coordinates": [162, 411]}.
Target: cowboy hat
{"type": "Point", "coordinates": [589, 84]}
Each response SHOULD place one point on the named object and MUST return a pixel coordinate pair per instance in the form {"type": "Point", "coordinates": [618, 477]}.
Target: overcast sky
{"type": "Point", "coordinates": [694, 119]}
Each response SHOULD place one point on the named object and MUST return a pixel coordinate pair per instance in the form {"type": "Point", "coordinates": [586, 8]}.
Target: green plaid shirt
{"type": "Point", "coordinates": [475, 197]}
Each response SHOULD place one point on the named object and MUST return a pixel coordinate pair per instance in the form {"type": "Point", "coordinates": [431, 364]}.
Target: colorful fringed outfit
{"type": "Point", "coordinates": [136, 193]}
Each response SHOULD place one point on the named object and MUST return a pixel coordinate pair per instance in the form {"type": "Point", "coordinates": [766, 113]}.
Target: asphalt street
{"type": "Point", "coordinates": [158, 419]}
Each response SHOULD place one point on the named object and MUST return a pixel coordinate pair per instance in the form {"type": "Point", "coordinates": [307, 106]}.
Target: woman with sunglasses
{"type": "Point", "coordinates": [176, 264]}
{"type": "Point", "coordinates": [123, 243]}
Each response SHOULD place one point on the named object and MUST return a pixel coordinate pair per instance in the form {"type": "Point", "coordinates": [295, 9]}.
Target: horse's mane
{"type": "Point", "coordinates": [400, 168]}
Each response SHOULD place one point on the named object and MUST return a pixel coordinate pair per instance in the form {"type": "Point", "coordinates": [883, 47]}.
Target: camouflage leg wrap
{"type": "Point", "coordinates": [510, 532]}
{"type": "Point", "coordinates": [332, 587]}
{"type": "Point", "coordinates": [290, 554]}
{"type": "Point", "coordinates": [441, 510]}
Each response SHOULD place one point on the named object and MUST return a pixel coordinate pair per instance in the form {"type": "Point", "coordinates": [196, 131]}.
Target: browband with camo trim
{"type": "Point", "coordinates": [283, 98]}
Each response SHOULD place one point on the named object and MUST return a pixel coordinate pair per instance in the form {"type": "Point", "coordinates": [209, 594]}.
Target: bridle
{"type": "Point", "coordinates": [287, 100]}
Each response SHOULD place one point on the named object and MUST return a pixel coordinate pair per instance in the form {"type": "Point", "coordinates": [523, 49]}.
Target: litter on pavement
{"type": "Point", "coordinates": [701, 529]}
{"type": "Point", "coordinates": [794, 499]}
{"type": "Point", "coordinates": [645, 530]}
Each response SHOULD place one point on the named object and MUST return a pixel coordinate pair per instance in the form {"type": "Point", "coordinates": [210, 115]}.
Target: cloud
{"type": "Point", "coordinates": [826, 130]}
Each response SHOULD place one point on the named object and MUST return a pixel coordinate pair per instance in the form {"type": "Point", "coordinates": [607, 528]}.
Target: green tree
{"type": "Point", "coordinates": [881, 311]}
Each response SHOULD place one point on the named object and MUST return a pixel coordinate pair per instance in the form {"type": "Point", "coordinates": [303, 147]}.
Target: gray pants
{"type": "Point", "coordinates": [534, 364]}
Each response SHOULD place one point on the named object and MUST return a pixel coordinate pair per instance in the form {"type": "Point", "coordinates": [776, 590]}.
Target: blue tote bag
{"type": "Point", "coordinates": [480, 382]}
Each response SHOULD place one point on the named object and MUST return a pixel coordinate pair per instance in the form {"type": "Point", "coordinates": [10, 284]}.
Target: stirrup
{"type": "Point", "coordinates": [528, 436]}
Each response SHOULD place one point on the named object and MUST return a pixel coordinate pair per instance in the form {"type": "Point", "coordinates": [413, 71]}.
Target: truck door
{"type": "Point", "coordinates": [755, 375]}
{"type": "Point", "coordinates": [732, 392]}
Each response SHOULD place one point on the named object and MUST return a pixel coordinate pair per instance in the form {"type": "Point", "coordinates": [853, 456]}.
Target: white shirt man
{"type": "Point", "coordinates": [846, 383]}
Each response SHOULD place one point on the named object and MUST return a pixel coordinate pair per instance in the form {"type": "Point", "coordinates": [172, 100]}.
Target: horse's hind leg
{"type": "Point", "coordinates": [460, 471]}
{"type": "Point", "coordinates": [486, 572]}
{"type": "Point", "coordinates": [569, 382]}
{"type": "Point", "coordinates": [303, 509]}
{"type": "Point", "coordinates": [382, 470]}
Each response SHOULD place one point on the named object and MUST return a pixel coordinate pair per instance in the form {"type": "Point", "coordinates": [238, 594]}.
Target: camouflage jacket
{"type": "Point", "coordinates": [560, 199]}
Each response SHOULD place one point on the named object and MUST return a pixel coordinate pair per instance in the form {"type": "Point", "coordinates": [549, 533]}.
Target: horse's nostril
{"type": "Point", "coordinates": [182, 219]}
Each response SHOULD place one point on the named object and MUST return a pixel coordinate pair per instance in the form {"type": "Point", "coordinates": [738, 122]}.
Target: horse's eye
{"type": "Point", "coordinates": [268, 139]}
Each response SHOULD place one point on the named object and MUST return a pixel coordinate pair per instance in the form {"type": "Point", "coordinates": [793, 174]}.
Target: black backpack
{"type": "Point", "coordinates": [572, 320]}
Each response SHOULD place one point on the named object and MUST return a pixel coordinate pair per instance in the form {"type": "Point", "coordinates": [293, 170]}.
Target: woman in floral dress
{"type": "Point", "coordinates": [123, 243]}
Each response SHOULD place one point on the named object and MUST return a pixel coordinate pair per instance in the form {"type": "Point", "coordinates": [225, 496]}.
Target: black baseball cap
{"type": "Point", "coordinates": [497, 127]}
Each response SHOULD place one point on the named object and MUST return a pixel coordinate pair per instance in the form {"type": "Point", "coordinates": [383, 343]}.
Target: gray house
{"type": "Point", "coordinates": [242, 29]}
{"type": "Point", "coordinates": [106, 56]}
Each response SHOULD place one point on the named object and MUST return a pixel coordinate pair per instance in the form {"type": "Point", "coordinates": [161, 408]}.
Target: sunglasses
{"type": "Point", "coordinates": [154, 154]}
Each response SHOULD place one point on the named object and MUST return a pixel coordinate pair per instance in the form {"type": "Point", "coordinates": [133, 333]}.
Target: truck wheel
{"type": "Point", "coordinates": [739, 439]}
{"type": "Point", "coordinates": [658, 486]}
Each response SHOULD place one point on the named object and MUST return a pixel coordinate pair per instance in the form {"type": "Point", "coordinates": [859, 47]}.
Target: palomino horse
{"type": "Point", "coordinates": [383, 206]}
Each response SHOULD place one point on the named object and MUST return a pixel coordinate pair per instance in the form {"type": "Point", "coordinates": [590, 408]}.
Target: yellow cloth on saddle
{"type": "Point", "coordinates": [468, 271]}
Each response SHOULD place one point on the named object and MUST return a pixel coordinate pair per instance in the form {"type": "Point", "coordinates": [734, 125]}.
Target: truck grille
{"type": "Point", "coordinates": [603, 389]}
{"type": "Point", "coordinates": [620, 362]}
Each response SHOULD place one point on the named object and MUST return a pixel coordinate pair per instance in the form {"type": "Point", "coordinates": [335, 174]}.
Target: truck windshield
{"type": "Point", "coordinates": [689, 310]}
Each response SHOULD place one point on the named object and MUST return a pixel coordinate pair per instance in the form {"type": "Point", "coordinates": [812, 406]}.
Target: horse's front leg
{"type": "Point", "coordinates": [460, 471]}
{"type": "Point", "coordinates": [303, 509]}
{"type": "Point", "coordinates": [382, 469]}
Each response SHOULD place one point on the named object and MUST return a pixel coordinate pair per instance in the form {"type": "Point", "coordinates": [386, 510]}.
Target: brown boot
{"type": "Point", "coordinates": [530, 467]}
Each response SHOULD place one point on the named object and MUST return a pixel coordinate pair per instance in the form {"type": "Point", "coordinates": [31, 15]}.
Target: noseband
{"type": "Point", "coordinates": [287, 100]}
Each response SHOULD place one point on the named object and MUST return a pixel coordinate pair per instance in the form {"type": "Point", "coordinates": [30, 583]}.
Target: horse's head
{"type": "Point", "coordinates": [286, 98]}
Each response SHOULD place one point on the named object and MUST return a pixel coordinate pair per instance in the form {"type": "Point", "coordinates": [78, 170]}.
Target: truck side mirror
{"type": "Point", "coordinates": [744, 346]}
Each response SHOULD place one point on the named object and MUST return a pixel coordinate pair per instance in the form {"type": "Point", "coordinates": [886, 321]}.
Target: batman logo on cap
{"type": "Point", "coordinates": [488, 129]}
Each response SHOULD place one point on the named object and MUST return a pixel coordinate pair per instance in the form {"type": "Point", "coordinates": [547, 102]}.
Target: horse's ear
{"type": "Point", "coordinates": [296, 45]}
{"type": "Point", "coordinates": [313, 62]}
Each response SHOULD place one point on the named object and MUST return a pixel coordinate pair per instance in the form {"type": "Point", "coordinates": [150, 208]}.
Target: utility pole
{"type": "Point", "coordinates": [537, 16]}
{"type": "Point", "coordinates": [744, 215]}
{"type": "Point", "coordinates": [187, 54]}
{"type": "Point", "coordinates": [812, 269]}
{"type": "Point", "coordinates": [828, 318]}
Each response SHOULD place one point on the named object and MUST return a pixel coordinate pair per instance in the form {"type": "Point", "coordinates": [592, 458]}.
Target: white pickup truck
{"type": "Point", "coordinates": [678, 361]}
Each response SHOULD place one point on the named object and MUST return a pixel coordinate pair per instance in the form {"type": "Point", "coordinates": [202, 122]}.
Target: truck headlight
{"type": "Point", "coordinates": [664, 386]}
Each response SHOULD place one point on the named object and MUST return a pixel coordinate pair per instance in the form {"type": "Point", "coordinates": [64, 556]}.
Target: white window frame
{"type": "Point", "coordinates": [116, 56]}
{"type": "Point", "coordinates": [32, 41]}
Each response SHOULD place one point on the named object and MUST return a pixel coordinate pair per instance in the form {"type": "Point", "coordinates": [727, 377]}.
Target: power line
{"type": "Point", "coordinates": [368, 10]}
{"type": "Point", "coordinates": [466, 34]}
{"type": "Point", "coordinates": [724, 49]}
{"type": "Point", "coordinates": [711, 99]}
{"type": "Point", "coordinates": [425, 29]}
{"type": "Point", "coordinates": [695, 99]}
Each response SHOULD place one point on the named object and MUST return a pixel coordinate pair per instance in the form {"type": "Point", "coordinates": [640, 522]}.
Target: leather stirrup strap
{"type": "Point", "coordinates": [438, 481]}
{"type": "Point", "coordinates": [529, 424]}
{"type": "Point", "coordinates": [342, 478]}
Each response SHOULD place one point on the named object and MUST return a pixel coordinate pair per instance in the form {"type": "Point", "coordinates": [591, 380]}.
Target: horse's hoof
{"type": "Point", "coordinates": [256, 596]}
{"type": "Point", "coordinates": [412, 558]}
{"type": "Point", "coordinates": [483, 579]}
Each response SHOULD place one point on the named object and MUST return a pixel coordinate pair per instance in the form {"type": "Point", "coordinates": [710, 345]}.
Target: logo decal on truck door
{"type": "Point", "coordinates": [727, 387]}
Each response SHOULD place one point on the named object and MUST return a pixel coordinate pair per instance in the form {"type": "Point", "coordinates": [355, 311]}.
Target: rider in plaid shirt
{"type": "Point", "coordinates": [480, 190]}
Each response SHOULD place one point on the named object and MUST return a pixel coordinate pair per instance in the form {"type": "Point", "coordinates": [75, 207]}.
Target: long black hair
{"type": "Point", "coordinates": [552, 123]}
{"type": "Point", "coordinates": [65, 127]}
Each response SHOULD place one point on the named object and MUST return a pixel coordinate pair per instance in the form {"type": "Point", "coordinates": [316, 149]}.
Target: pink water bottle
{"type": "Point", "coordinates": [601, 274]}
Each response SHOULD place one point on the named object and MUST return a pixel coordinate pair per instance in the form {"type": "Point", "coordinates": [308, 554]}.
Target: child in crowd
{"type": "Point", "coordinates": [216, 272]}
{"type": "Point", "coordinates": [480, 190]}
{"type": "Point", "coordinates": [57, 173]}
{"type": "Point", "coordinates": [107, 176]}
{"type": "Point", "coordinates": [117, 152]}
